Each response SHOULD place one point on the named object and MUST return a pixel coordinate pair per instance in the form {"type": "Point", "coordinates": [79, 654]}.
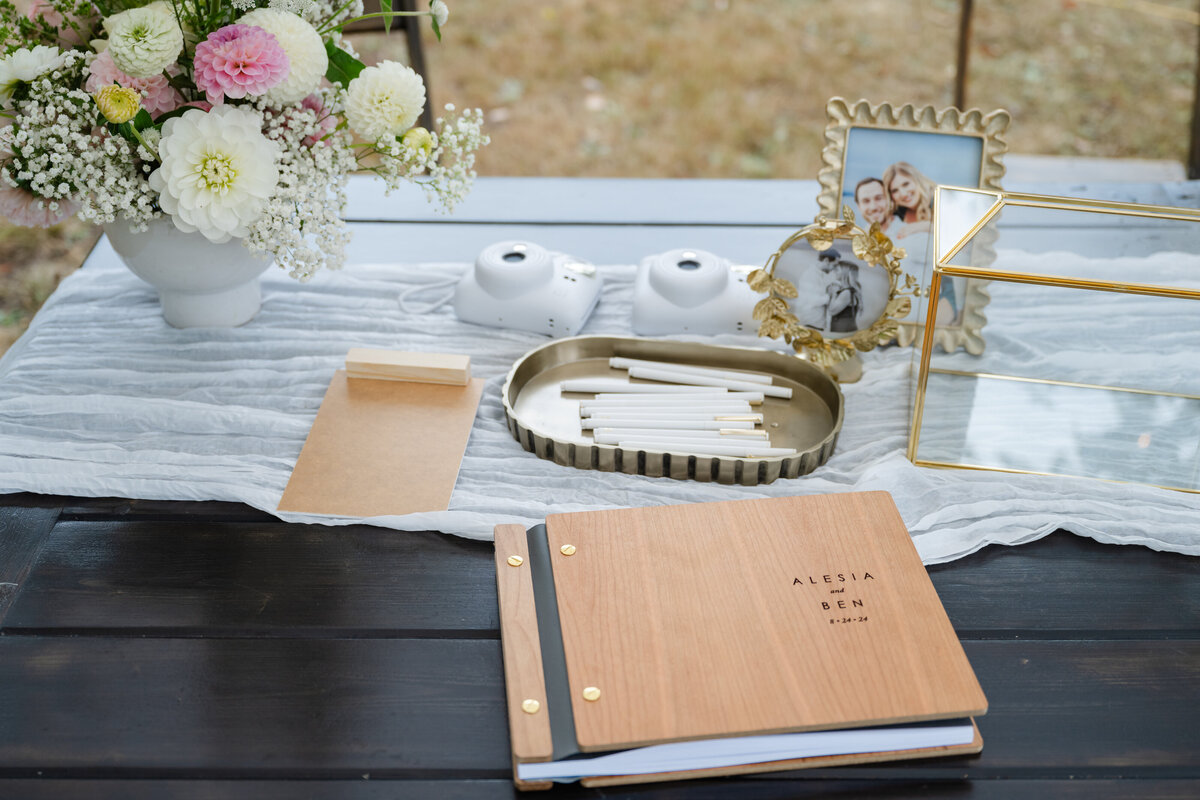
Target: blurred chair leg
{"type": "Point", "coordinates": [416, 56]}
{"type": "Point", "coordinates": [1193, 164]}
{"type": "Point", "coordinates": [966, 9]}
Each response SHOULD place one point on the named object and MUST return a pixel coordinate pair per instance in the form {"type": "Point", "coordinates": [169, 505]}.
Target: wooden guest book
{"type": "Point", "coordinates": [653, 644]}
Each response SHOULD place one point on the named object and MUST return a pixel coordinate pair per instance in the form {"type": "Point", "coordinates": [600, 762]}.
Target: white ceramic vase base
{"type": "Point", "coordinates": [226, 309]}
{"type": "Point", "coordinates": [200, 284]}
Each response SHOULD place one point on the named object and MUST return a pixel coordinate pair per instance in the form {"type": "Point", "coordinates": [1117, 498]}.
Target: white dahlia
{"type": "Point", "coordinates": [218, 171]}
{"type": "Point", "coordinates": [384, 100]}
{"type": "Point", "coordinates": [22, 66]}
{"type": "Point", "coordinates": [144, 41]}
{"type": "Point", "coordinates": [305, 50]}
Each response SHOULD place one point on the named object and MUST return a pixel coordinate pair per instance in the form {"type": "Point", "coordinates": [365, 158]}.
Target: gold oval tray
{"type": "Point", "coordinates": [546, 421]}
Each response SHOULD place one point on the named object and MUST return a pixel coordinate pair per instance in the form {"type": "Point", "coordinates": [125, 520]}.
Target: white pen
{"type": "Point", "coordinates": [739, 434]}
{"type": "Point", "coordinates": [595, 409]}
{"type": "Point", "coordinates": [667, 424]}
{"type": "Point", "coordinates": [715, 394]}
{"type": "Point", "coordinates": [619, 362]}
{"type": "Point", "coordinates": [722, 449]}
{"type": "Point", "coordinates": [682, 437]}
{"type": "Point", "coordinates": [668, 376]}
{"type": "Point", "coordinates": [618, 416]}
{"type": "Point", "coordinates": [621, 387]}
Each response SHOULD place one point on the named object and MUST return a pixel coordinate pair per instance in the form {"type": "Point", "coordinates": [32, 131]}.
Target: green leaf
{"type": "Point", "coordinates": [125, 130]}
{"type": "Point", "coordinates": [343, 67]}
{"type": "Point", "coordinates": [179, 82]}
{"type": "Point", "coordinates": [179, 112]}
{"type": "Point", "coordinates": [142, 120]}
{"type": "Point", "coordinates": [386, 7]}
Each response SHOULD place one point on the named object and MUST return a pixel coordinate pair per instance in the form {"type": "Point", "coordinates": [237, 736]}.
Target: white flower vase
{"type": "Point", "coordinates": [200, 284]}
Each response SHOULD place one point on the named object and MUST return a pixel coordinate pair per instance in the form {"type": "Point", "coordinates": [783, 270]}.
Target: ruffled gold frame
{"type": "Point", "coordinates": [844, 116]}
{"type": "Point", "coordinates": [774, 313]}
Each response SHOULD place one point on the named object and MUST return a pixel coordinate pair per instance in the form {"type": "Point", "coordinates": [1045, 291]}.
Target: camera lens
{"type": "Point", "coordinates": [507, 269]}
{"type": "Point", "coordinates": [686, 277]}
{"type": "Point", "coordinates": [516, 253]}
{"type": "Point", "coordinates": [687, 260]}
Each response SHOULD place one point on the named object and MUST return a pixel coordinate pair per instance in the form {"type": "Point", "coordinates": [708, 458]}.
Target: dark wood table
{"type": "Point", "coordinates": [154, 649]}
{"type": "Point", "coordinates": [209, 650]}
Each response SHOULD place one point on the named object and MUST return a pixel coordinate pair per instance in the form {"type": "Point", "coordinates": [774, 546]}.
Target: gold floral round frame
{"type": "Point", "coordinates": [777, 319]}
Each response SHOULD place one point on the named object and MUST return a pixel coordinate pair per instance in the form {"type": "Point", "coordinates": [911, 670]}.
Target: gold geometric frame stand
{"type": "Point", "coordinates": [954, 233]}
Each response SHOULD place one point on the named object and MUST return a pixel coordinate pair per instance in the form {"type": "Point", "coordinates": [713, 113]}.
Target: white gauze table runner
{"type": "Point", "coordinates": [101, 398]}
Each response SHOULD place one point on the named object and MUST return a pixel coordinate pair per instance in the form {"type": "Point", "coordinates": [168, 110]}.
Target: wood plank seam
{"type": "Point", "coordinates": [23, 534]}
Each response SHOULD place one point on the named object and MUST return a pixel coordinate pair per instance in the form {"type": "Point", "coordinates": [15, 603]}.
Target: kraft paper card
{"type": "Point", "coordinates": [382, 448]}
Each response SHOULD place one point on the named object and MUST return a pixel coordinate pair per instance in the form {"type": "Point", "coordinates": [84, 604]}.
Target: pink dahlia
{"type": "Point", "coordinates": [45, 10]}
{"type": "Point", "coordinates": [239, 61]}
{"type": "Point", "coordinates": [158, 97]}
{"type": "Point", "coordinates": [23, 207]}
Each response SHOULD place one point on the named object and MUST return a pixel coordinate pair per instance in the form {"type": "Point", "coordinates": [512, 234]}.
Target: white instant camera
{"type": "Point", "coordinates": [692, 291]}
{"type": "Point", "coordinates": [526, 287]}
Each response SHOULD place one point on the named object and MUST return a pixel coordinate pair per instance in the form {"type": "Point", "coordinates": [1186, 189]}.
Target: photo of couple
{"type": "Point", "coordinates": [900, 202]}
{"type": "Point", "coordinates": [838, 295]}
{"type": "Point", "coordinates": [890, 179]}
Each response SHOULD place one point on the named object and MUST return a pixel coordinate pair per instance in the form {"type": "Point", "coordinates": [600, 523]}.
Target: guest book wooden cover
{"type": "Point", "coordinates": [722, 620]}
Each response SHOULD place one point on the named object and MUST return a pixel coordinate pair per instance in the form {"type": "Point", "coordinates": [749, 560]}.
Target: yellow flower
{"type": "Point", "coordinates": [419, 139]}
{"type": "Point", "coordinates": [117, 103]}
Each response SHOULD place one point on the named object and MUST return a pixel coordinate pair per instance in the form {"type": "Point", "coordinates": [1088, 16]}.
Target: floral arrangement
{"type": "Point", "coordinates": [239, 120]}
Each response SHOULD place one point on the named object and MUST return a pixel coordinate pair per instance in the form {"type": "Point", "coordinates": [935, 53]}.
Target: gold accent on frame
{"type": "Point", "coordinates": [567, 549]}
{"type": "Point", "coordinates": [531, 706]}
{"type": "Point", "coordinates": [591, 694]}
{"type": "Point", "coordinates": [777, 319]}
{"type": "Point", "coordinates": [844, 116]}
{"type": "Point", "coordinates": [515, 561]}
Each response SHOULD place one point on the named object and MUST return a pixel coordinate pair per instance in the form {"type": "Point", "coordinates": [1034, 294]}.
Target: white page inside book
{"type": "Point", "coordinates": [715, 753]}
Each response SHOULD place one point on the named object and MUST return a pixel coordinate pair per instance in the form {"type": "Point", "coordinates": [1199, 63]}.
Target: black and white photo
{"type": "Point", "coordinates": [837, 294]}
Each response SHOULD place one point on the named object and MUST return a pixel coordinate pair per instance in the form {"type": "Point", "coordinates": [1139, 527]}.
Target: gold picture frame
{"type": "Point", "coordinates": [867, 303]}
{"type": "Point", "coordinates": [868, 148]}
